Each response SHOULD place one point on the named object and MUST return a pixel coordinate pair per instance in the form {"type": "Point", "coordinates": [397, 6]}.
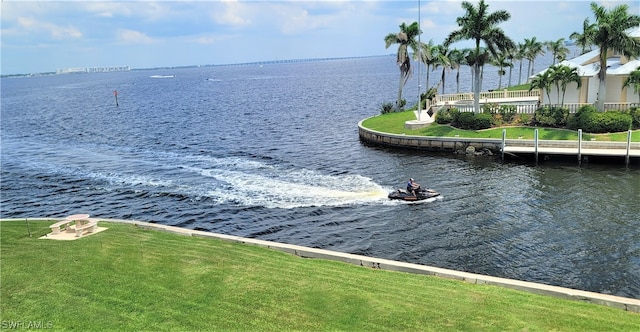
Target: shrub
{"type": "Point", "coordinates": [403, 102]}
{"type": "Point", "coordinates": [490, 108]}
{"type": "Point", "coordinates": [508, 112]}
{"type": "Point", "coordinates": [525, 119]}
{"type": "Point", "coordinates": [551, 116]}
{"type": "Point", "coordinates": [497, 120]}
{"type": "Point", "coordinates": [578, 121]}
{"type": "Point", "coordinates": [635, 117]}
{"type": "Point", "coordinates": [386, 108]}
{"type": "Point", "coordinates": [464, 120]}
{"type": "Point", "coordinates": [606, 122]}
{"type": "Point", "coordinates": [470, 120]}
{"type": "Point", "coordinates": [590, 120]}
{"type": "Point", "coordinates": [445, 116]}
{"type": "Point", "coordinates": [482, 121]}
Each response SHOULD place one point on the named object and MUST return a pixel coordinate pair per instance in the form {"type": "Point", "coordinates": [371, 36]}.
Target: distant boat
{"type": "Point", "coordinates": [162, 76]}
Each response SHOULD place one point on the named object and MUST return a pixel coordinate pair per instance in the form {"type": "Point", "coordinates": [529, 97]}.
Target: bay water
{"type": "Point", "coordinates": [271, 151]}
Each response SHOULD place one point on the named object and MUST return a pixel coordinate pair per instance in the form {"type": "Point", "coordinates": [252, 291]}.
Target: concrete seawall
{"type": "Point", "coordinates": [623, 303]}
{"type": "Point", "coordinates": [534, 147]}
{"type": "Point", "coordinates": [431, 143]}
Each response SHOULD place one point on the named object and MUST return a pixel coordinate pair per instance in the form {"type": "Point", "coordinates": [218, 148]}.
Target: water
{"type": "Point", "coordinates": [272, 152]}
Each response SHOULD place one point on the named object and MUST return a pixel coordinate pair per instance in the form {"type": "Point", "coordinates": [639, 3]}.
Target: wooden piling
{"type": "Point", "coordinates": [626, 159]}
{"type": "Point", "coordinates": [579, 147]}
{"type": "Point", "coordinates": [535, 143]}
{"type": "Point", "coordinates": [504, 142]}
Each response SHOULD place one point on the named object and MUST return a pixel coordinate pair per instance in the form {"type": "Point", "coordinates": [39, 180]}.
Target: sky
{"type": "Point", "coordinates": [42, 36]}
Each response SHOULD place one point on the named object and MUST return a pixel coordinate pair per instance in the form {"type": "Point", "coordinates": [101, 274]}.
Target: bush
{"type": "Point", "coordinates": [635, 117]}
{"type": "Point", "coordinates": [551, 116]}
{"type": "Point", "coordinates": [607, 122]}
{"type": "Point", "coordinates": [508, 112]}
{"type": "Point", "coordinates": [590, 120]}
{"type": "Point", "coordinates": [403, 102]}
{"type": "Point", "coordinates": [482, 121]}
{"type": "Point", "coordinates": [445, 116]}
{"type": "Point", "coordinates": [464, 120]}
{"type": "Point", "coordinates": [490, 108]}
{"type": "Point", "coordinates": [470, 120]}
{"type": "Point", "coordinates": [386, 108]}
{"type": "Point", "coordinates": [578, 121]}
{"type": "Point", "coordinates": [524, 119]}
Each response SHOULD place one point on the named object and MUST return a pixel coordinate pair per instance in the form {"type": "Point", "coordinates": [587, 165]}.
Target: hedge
{"type": "Point", "coordinates": [590, 120]}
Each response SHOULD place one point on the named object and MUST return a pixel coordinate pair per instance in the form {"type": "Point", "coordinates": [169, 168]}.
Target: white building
{"type": "Point", "coordinates": [618, 69]}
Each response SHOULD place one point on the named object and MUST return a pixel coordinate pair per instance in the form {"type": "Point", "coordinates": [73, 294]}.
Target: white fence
{"type": "Point", "coordinates": [524, 100]}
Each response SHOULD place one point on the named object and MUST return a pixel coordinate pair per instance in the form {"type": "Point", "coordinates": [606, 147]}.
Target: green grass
{"type": "Point", "coordinates": [393, 123]}
{"type": "Point", "coordinates": [132, 279]}
{"type": "Point", "coordinates": [519, 87]}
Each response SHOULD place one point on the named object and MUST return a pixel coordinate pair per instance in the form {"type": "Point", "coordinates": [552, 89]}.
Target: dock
{"type": "Point", "coordinates": [579, 148]}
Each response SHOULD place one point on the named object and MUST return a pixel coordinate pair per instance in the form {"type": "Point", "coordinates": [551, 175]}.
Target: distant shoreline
{"type": "Point", "coordinates": [266, 62]}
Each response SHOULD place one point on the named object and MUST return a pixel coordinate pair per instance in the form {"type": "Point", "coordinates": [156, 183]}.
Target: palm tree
{"type": "Point", "coordinates": [428, 53]}
{"type": "Point", "coordinates": [481, 26]}
{"type": "Point", "coordinates": [610, 35]}
{"type": "Point", "coordinates": [543, 82]}
{"type": "Point", "coordinates": [501, 62]}
{"type": "Point", "coordinates": [633, 80]}
{"type": "Point", "coordinates": [442, 60]}
{"type": "Point", "coordinates": [457, 58]}
{"type": "Point", "coordinates": [520, 54]}
{"type": "Point", "coordinates": [585, 38]}
{"type": "Point", "coordinates": [511, 56]}
{"type": "Point", "coordinates": [558, 50]}
{"type": "Point", "coordinates": [563, 75]}
{"type": "Point", "coordinates": [405, 39]}
{"type": "Point", "coordinates": [533, 49]}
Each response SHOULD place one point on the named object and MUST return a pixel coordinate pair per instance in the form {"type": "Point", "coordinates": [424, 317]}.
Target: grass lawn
{"type": "Point", "coordinates": [394, 123]}
{"type": "Point", "coordinates": [131, 279]}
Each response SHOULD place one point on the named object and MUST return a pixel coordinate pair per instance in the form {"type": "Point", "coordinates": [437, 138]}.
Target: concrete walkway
{"type": "Point", "coordinates": [623, 303]}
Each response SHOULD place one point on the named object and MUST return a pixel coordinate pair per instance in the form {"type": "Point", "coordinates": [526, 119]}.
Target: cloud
{"type": "Point", "coordinates": [133, 37]}
{"type": "Point", "coordinates": [30, 25]}
{"type": "Point", "coordinates": [231, 13]}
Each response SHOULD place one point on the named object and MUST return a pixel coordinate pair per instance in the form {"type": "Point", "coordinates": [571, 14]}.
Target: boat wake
{"type": "Point", "coordinates": [252, 183]}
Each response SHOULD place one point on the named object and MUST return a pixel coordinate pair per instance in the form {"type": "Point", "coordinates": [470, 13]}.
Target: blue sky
{"type": "Point", "coordinates": [42, 36]}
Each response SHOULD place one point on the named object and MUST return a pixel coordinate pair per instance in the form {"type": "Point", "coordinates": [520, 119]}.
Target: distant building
{"type": "Point", "coordinates": [80, 70]}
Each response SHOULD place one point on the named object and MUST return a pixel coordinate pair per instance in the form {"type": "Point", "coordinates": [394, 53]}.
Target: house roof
{"type": "Point", "coordinates": [587, 67]}
{"type": "Point", "coordinates": [624, 69]}
{"type": "Point", "coordinates": [588, 64]}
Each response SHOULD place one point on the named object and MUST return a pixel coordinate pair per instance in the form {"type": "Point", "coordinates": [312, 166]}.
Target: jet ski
{"type": "Point", "coordinates": [421, 194]}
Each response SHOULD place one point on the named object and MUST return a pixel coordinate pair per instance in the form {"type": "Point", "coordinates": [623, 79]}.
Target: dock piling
{"type": "Point", "coordinates": [504, 141]}
{"type": "Point", "coordinates": [535, 143]}
{"type": "Point", "coordinates": [626, 159]}
{"type": "Point", "coordinates": [579, 147]}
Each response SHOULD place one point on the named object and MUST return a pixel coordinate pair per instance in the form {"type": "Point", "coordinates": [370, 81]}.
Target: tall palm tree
{"type": "Point", "coordinates": [405, 39]}
{"type": "Point", "coordinates": [533, 49]}
{"type": "Point", "coordinates": [442, 60]}
{"type": "Point", "coordinates": [457, 58]}
{"type": "Point", "coordinates": [611, 27]}
{"type": "Point", "coordinates": [520, 54]}
{"type": "Point", "coordinates": [557, 49]}
{"type": "Point", "coordinates": [481, 26]}
{"type": "Point", "coordinates": [501, 61]}
{"type": "Point", "coordinates": [511, 57]}
{"type": "Point", "coordinates": [428, 54]}
{"type": "Point", "coordinates": [634, 81]}
{"type": "Point", "coordinates": [584, 39]}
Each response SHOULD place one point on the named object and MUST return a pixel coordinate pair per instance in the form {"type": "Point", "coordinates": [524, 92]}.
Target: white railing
{"type": "Point", "coordinates": [447, 99]}
{"type": "Point", "coordinates": [501, 94]}
{"type": "Point", "coordinates": [619, 106]}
